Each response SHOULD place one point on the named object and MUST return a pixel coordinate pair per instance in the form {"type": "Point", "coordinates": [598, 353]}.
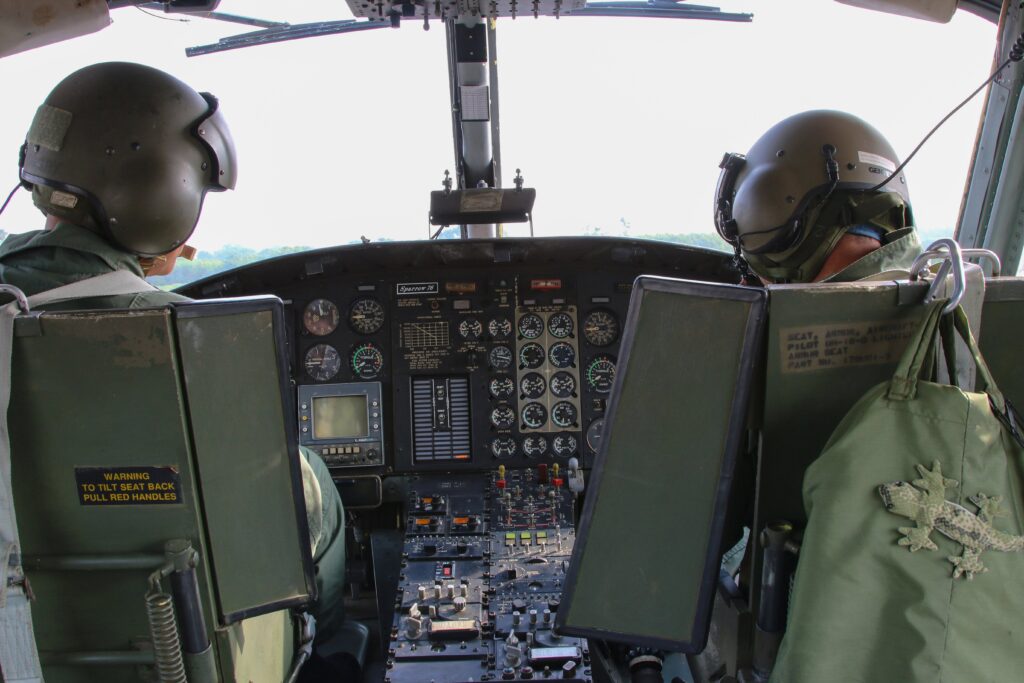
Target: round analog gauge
{"type": "Point", "coordinates": [535, 446]}
{"type": "Point", "coordinates": [600, 374]}
{"type": "Point", "coordinates": [367, 360]}
{"type": "Point", "coordinates": [532, 385]}
{"type": "Point", "coordinates": [563, 385]}
{"type": "Point", "coordinates": [502, 388]}
{"type": "Point", "coordinates": [531, 356]}
{"type": "Point", "coordinates": [366, 316]}
{"type": "Point", "coordinates": [564, 445]}
{"type": "Point", "coordinates": [321, 317]}
{"type": "Point", "coordinates": [471, 328]}
{"type": "Point", "coordinates": [560, 325]}
{"type": "Point", "coordinates": [503, 417]}
{"type": "Point", "coordinates": [500, 328]}
{"type": "Point", "coordinates": [503, 447]}
{"type": "Point", "coordinates": [601, 327]}
{"type": "Point", "coordinates": [534, 415]}
{"type": "Point", "coordinates": [322, 362]}
{"type": "Point", "coordinates": [500, 358]}
{"type": "Point", "coordinates": [562, 355]}
{"type": "Point", "coordinates": [564, 414]}
{"type": "Point", "coordinates": [531, 326]}
{"type": "Point", "coordinates": [594, 432]}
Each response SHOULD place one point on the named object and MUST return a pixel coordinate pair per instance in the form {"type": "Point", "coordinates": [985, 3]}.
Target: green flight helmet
{"type": "Point", "coordinates": [785, 204]}
{"type": "Point", "coordinates": [130, 152]}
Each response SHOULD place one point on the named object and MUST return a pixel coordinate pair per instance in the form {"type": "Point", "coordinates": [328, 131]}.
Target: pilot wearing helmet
{"type": "Point", "coordinates": [119, 159]}
{"type": "Point", "coordinates": [819, 197]}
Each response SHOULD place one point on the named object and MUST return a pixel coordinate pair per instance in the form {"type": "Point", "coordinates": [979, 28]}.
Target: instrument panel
{"type": "Point", "coordinates": [485, 352]}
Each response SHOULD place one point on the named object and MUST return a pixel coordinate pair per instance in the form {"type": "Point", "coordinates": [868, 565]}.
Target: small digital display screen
{"type": "Point", "coordinates": [339, 417]}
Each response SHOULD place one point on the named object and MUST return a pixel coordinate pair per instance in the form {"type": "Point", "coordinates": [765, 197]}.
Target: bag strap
{"type": "Point", "coordinates": [985, 380]}
{"type": "Point", "coordinates": [19, 659]}
{"type": "Point", "coordinates": [918, 355]}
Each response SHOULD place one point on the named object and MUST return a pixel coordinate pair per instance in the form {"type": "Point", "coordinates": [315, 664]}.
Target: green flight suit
{"type": "Point", "coordinates": [44, 259]}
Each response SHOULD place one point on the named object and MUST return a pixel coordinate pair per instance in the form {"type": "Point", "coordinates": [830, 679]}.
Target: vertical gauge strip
{"type": "Point", "coordinates": [547, 346]}
{"type": "Point", "coordinates": [440, 419]}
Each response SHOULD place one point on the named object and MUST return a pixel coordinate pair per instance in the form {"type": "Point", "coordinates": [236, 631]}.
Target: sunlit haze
{"type": "Point", "coordinates": [618, 123]}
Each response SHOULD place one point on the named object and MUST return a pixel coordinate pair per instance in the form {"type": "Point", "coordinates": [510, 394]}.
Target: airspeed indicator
{"type": "Point", "coordinates": [320, 317]}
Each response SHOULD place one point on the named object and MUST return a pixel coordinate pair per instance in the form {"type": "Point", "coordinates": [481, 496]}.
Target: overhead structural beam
{"type": "Point", "coordinates": [472, 78]}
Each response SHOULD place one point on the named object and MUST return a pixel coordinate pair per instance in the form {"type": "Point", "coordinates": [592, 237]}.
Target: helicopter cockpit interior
{"type": "Point", "coordinates": [560, 457]}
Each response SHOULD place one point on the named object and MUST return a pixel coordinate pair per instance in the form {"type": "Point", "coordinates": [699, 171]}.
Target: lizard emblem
{"type": "Point", "coordinates": [924, 501]}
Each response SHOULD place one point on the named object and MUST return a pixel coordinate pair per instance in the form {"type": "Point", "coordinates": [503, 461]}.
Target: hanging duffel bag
{"type": "Point", "coordinates": [911, 568]}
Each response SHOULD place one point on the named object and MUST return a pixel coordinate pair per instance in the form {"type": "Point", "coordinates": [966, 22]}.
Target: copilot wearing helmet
{"type": "Point", "coordinates": [119, 158]}
{"type": "Point", "coordinates": [809, 202]}
{"type": "Point", "coordinates": [128, 153]}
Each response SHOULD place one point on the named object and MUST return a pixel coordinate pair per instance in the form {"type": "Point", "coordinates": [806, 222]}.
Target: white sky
{"type": "Point", "coordinates": [610, 119]}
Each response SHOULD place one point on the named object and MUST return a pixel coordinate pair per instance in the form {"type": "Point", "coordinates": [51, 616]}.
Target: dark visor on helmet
{"type": "Point", "coordinates": [212, 130]}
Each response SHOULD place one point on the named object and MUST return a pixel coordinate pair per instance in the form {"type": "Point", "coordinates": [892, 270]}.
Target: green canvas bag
{"type": "Point", "coordinates": [911, 567]}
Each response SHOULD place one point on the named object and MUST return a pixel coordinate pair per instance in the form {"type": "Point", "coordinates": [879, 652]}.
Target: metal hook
{"type": "Point", "coordinates": [954, 260]}
{"type": "Point", "coordinates": [18, 295]}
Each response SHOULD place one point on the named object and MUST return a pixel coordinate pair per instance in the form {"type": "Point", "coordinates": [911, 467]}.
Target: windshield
{"type": "Point", "coordinates": [618, 123]}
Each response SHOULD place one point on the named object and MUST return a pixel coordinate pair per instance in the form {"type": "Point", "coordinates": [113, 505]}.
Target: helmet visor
{"type": "Point", "coordinates": [212, 130]}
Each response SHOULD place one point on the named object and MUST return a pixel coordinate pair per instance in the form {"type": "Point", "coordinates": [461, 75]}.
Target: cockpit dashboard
{"type": "Point", "coordinates": [458, 355]}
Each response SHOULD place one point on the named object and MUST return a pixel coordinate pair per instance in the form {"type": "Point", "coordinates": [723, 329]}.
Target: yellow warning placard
{"type": "Point", "coordinates": [133, 485]}
{"type": "Point", "coordinates": [823, 347]}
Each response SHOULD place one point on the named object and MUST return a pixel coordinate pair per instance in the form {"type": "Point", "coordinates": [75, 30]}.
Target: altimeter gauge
{"type": "Point", "coordinates": [600, 327]}
{"type": "Point", "coordinates": [366, 316]}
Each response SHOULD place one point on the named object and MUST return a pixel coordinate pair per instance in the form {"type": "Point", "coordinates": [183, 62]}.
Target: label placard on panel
{"type": "Point", "coordinates": [134, 485]}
